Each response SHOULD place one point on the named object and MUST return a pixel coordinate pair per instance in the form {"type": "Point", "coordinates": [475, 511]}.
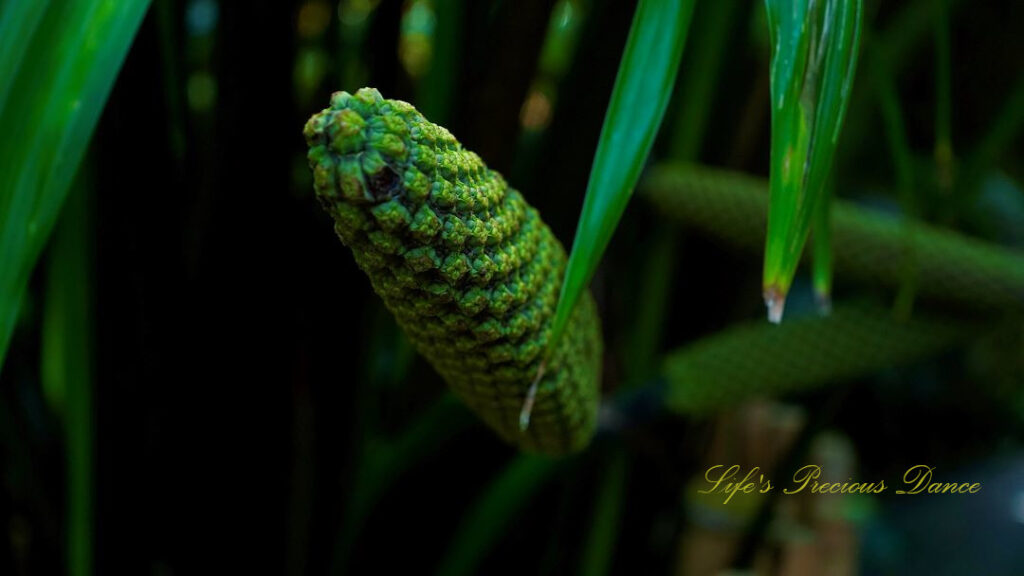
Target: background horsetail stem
{"type": "Point", "coordinates": [753, 360]}
{"type": "Point", "coordinates": [867, 245]}
{"type": "Point", "coordinates": [902, 160]}
{"type": "Point", "coordinates": [641, 94]}
{"type": "Point", "coordinates": [467, 267]}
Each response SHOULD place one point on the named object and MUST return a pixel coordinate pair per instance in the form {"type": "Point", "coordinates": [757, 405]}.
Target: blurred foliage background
{"type": "Point", "coordinates": [201, 380]}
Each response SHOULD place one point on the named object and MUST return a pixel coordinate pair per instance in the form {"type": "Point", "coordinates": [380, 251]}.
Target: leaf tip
{"type": "Point", "coordinates": [823, 301]}
{"type": "Point", "coordinates": [775, 300]}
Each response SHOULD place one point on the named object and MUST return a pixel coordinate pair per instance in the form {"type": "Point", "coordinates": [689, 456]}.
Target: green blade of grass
{"type": "Point", "coordinates": [814, 56]}
{"type": "Point", "coordinates": [67, 370]}
{"type": "Point", "coordinates": [52, 105]}
{"type": "Point", "coordinates": [642, 91]}
{"type": "Point", "coordinates": [493, 512]}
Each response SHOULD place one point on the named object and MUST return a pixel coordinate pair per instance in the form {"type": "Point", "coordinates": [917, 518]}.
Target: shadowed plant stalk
{"type": "Point", "coordinates": [814, 57]}
{"type": "Point", "coordinates": [902, 159]}
{"type": "Point", "coordinates": [489, 515]}
{"type": "Point", "coordinates": [67, 364]}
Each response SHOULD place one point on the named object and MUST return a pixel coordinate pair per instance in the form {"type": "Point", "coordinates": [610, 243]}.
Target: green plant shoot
{"type": "Point", "coordinates": [814, 57]}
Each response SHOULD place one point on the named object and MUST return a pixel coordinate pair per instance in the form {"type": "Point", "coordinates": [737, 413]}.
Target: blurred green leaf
{"type": "Point", "coordinates": [437, 88]}
{"type": "Point", "coordinates": [642, 91]}
{"type": "Point", "coordinates": [493, 512]}
{"type": "Point", "coordinates": [384, 460]}
{"type": "Point", "coordinates": [814, 56]}
{"type": "Point", "coordinates": [821, 253]}
{"type": "Point", "coordinates": [1006, 126]}
{"type": "Point", "coordinates": [701, 70]}
{"type": "Point", "coordinates": [56, 81]}
{"type": "Point", "coordinates": [599, 549]}
{"type": "Point", "coordinates": [943, 96]}
{"type": "Point", "coordinates": [67, 368]}
{"type": "Point", "coordinates": [643, 337]}
{"type": "Point", "coordinates": [902, 158]}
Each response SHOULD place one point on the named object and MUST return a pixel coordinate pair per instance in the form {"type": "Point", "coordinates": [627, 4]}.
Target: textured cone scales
{"type": "Point", "coordinates": [467, 267]}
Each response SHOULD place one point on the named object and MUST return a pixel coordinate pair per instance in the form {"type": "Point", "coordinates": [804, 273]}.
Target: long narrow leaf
{"type": "Point", "coordinates": [51, 109]}
{"type": "Point", "coordinates": [814, 56]}
{"type": "Point", "coordinates": [642, 90]}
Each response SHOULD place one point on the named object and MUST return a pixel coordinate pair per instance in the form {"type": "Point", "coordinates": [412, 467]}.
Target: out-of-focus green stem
{"type": "Point", "coordinates": [648, 317]}
{"type": "Point", "coordinates": [67, 365]}
{"type": "Point", "coordinates": [944, 99]}
{"type": "Point", "coordinates": [493, 510]}
{"type": "Point", "coordinates": [385, 460]}
{"type": "Point", "coordinates": [700, 78]}
{"type": "Point", "coordinates": [440, 82]}
{"type": "Point", "coordinates": [899, 149]}
{"type": "Point", "coordinates": [821, 252]}
{"type": "Point", "coordinates": [599, 549]}
{"type": "Point", "coordinates": [1007, 125]}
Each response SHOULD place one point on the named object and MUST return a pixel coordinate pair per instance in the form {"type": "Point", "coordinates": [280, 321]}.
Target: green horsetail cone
{"type": "Point", "coordinates": [467, 267]}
